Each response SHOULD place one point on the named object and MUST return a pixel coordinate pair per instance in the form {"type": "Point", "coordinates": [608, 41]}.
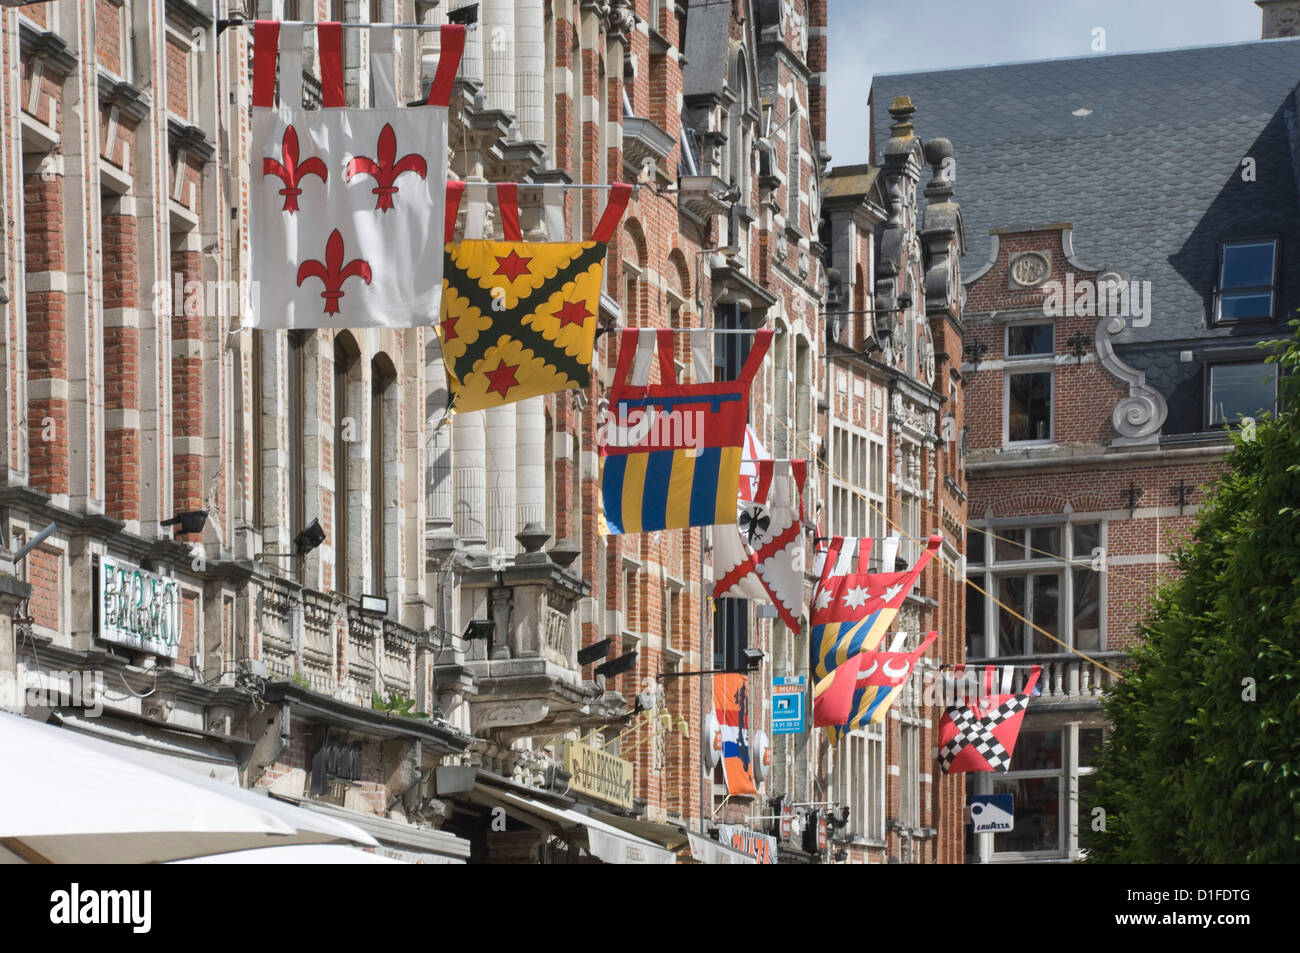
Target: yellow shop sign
{"type": "Point", "coordinates": [598, 774]}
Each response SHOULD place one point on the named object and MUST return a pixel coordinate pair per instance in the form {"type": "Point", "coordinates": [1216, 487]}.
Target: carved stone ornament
{"type": "Point", "coordinates": [1283, 21]}
{"type": "Point", "coordinates": [1029, 269]}
{"type": "Point", "coordinates": [1138, 417]}
{"type": "Point", "coordinates": [925, 355]}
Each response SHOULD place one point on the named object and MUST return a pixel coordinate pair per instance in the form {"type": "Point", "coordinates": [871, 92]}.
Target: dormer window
{"type": "Point", "coordinates": [1247, 281]}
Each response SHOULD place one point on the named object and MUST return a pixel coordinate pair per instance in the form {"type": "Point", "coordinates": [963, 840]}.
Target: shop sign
{"type": "Point", "coordinates": [762, 847]}
{"type": "Point", "coordinates": [138, 608]}
{"type": "Point", "coordinates": [598, 774]}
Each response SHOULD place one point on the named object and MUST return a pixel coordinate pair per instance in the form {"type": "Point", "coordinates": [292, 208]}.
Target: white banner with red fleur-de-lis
{"type": "Point", "coordinates": [347, 204]}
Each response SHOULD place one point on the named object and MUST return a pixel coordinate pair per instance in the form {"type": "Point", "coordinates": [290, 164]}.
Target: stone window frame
{"type": "Point", "coordinates": [1027, 364]}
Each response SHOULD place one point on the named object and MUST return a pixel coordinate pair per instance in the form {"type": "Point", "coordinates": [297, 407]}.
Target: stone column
{"type": "Point", "coordinates": [530, 468]}
{"type": "Point", "coordinates": [498, 41]}
{"type": "Point", "coordinates": [469, 463]}
{"type": "Point", "coordinates": [471, 63]}
{"type": "Point", "coordinates": [503, 430]}
{"type": "Point", "coordinates": [530, 66]}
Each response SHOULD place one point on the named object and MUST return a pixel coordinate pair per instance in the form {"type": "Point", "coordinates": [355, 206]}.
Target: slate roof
{"type": "Point", "coordinates": [1150, 175]}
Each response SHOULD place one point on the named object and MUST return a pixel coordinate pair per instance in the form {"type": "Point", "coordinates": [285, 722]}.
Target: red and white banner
{"type": "Point", "coordinates": [761, 556]}
{"type": "Point", "coordinates": [347, 204]}
{"type": "Point", "coordinates": [981, 734]}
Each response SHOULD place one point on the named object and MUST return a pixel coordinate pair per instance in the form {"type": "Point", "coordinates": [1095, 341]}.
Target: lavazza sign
{"type": "Point", "coordinates": [138, 608]}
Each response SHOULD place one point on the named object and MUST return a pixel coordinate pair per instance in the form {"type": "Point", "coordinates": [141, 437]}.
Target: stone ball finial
{"type": "Point", "coordinates": [936, 150]}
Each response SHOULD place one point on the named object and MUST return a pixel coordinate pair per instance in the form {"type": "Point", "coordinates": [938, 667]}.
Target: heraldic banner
{"type": "Point", "coordinates": [731, 706]}
{"type": "Point", "coordinates": [852, 607]}
{"type": "Point", "coordinates": [761, 556]}
{"type": "Point", "coordinates": [519, 318]}
{"type": "Point", "coordinates": [671, 452]}
{"type": "Point", "coordinates": [873, 680]}
{"type": "Point", "coordinates": [981, 734]}
{"type": "Point", "coordinates": [346, 204]}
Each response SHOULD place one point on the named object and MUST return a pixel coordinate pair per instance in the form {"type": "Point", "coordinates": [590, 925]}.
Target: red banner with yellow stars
{"type": "Point", "coordinates": [518, 319]}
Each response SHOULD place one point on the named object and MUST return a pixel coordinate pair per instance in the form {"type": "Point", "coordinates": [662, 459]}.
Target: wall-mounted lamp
{"type": "Point", "coordinates": [594, 652]}
{"type": "Point", "coordinates": [191, 521]}
{"type": "Point", "coordinates": [310, 537]}
{"type": "Point", "coordinates": [617, 666]}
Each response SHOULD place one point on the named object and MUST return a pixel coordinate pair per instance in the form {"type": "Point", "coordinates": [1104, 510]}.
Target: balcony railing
{"type": "Point", "coordinates": [309, 636]}
{"type": "Point", "coordinates": [1064, 678]}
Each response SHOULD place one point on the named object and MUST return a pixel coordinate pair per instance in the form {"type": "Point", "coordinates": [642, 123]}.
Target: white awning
{"type": "Point", "coordinates": [708, 851]}
{"type": "Point", "coordinates": [402, 842]}
{"type": "Point", "coordinates": [212, 759]}
{"type": "Point", "coordinates": [605, 841]}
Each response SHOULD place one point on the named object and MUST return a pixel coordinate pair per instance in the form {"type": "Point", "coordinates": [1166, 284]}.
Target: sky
{"type": "Point", "coordinates": [891, 36]}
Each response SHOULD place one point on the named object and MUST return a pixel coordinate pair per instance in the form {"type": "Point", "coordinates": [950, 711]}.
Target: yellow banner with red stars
{"type": "Point", "coordinates": [518, 319]}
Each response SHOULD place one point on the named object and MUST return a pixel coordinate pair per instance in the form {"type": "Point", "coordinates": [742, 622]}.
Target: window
{"type": "Point", "coordinates": [849, 482]}
{"type": "Point", "coordinates": [1034, 781]}
{"type": "Point", "coordinates": [1247, 280]}
{"type": "Point", "coordinates": [1089, 747]}
{"type": "Point", "coordinates": [345, 355]}
{"type": "Point", "coordinates": [296, 379]}
{"type": "Point", "coordinates": [1046, 574]}
{"type": "Point", "coordinates": [383, 377]}
{"type": "Point", "coordinates": [1026, 340]}
{"type": "Point", "coordinates": [860, 781]}
{"type": "Point", "coordinates": [730, 350]}
{"type": "Point", "coordinates": [255, 431]}
{"type": "Point", "coordinates": [1241, 390]}
{"type": "Point", "coordinates": [909, 772]}
{"type": "Point", "coordinates": [1029, 360]}
{"type": "Point", "coordinates": [730, 634]}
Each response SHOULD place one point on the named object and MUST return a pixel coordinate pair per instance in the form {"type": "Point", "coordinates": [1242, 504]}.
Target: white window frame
{"type": "Point", "coordinates": [860, 782]}
{"type": "Point", "coordinates": [987, 573]}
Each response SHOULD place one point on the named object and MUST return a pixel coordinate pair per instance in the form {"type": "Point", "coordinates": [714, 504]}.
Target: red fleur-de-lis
{"type": "Point", "coordinates": [333, 272]}
{"type": "Point", "coordinates": [386, 170]}
{"type": "Point", "coordinates": [293, 171]}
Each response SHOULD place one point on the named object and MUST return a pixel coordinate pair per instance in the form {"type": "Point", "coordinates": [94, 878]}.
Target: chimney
{"type": "Point", "coordinates": [1281, 18]}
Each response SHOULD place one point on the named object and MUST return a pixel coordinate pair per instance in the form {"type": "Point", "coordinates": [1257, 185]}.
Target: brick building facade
{"type": "Point", "coordinates": [248, 488]}
{"type": "Point", "coordinates": [894, 407]}
{"type": "Point", "coordinates": [1110, 338]}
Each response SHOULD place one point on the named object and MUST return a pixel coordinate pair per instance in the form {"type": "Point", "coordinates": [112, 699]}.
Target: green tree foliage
{"type": "Point", "coordinates": [1203, 765]}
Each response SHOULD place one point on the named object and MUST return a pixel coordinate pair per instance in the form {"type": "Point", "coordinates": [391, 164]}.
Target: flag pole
{"type": "Point", "coordinates": [223, 25]}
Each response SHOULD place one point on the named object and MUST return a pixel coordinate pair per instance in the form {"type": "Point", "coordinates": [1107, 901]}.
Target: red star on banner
{"type": "Point", "coordinates": [503, 378]}
{"type": "Point", "coordinates": [573, 312]}
{"type": "Point", "coordinates": [449, 328]}
{"type": "Point", "coordinates": [511, 265]}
